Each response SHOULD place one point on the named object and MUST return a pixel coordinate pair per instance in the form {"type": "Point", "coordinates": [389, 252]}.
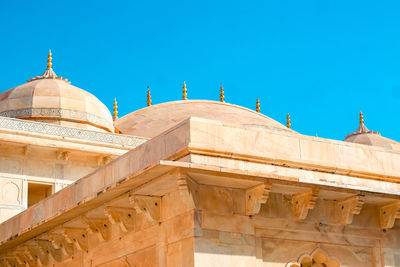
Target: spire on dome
{"type": "Point", "coordinates": [184, 95]}
{"type": "Point", "coordinates": [221, 94]}
{"type": "Point", "coordinates": [49, 60]}
{"type": "Point", "coordinates": [115, 110]}
{"type": "Point", "coordinates": [148, 96]}
{"type": "Point", "coordinates": [49, 72]}
{"type": "Point", "coordinates": [288, 124]}
{"type": "Point", "coordinates": [361, 117]}
{"type": "Point", "coordinates": [362, 128]}
{"type": "Point", "coordinates": [258, 105]}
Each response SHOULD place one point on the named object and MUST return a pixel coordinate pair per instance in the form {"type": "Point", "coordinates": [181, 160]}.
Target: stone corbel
{"type": "Point", "coordinates": [41, 258]}
{"type": "Point", "coordinates": [27, 150]}
{"type": "Point", "coordinates": [303, 202]}
{"type": "Point", "coordinates": [77, 236]}
{"type": "Point", "coordinates": [59, 241]}
{"type": "Point", "coordinates": [103, 160]}
{"type": "Point", "coordinates": [343, 211]}
{"type": "Point", "coordinates": [12, 260]}
{"type": "Point", "coordinates": [48, 248]}
{"type": "Point", "coordinates": [5, 262]}
{"type": "Point", "coordinates": [22, 256]}
{"type": "Point", "coordinates": [255, 196]}
{"type": "Point", "coordinates": [187, 188]}
{"type": "Point", "coordinates": [388, 214]}
{"type": "Point", "coordinates": [149, 205]}
{"type": "Point", "coordinates": [63, 155]}
{"type": "Point", "coordinates": [100, 226]}
{"type": "Point", "coordinates": [124, 217]}
{"type": "Point", "coordinates": [19, 256]}
{"type": "Point", "coordinates": [32, 249]}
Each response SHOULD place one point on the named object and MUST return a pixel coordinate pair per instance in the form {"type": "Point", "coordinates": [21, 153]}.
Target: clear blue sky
{"type": "Point", "coordinates": [322, 61]}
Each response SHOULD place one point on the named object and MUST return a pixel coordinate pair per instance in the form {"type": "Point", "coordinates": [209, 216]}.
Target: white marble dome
{"type": "Point", "coordinates": [153, 120]}
{"type": "Point", "coordinates": [52, 99]}
{"type": "Point", "coordinates": [367, 137]}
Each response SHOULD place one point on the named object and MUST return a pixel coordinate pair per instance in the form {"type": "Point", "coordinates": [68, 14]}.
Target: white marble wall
{"type": "Point", "coordinates": [17, 170]}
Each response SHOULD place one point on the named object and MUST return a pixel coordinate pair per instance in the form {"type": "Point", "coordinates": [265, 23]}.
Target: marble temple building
{"type": "Point", "coordinates": [187, 183]}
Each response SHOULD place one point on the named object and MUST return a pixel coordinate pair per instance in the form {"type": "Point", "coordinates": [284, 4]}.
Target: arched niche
{"type": "Point", "coordinates": [10, 193]}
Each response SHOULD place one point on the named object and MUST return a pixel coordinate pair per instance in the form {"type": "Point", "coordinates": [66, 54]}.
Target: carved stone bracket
{"type": "Point", "coordinates": [255, 196]}
{"type": "Point", "coordinates": [103, 160]}
{"type": "Point", "coordinates": [48, 248]}
{"type": "Point", "coordinates": [149, 205]}
{"type": "Point", "coordinates": [32, 249]}
{"type": "Point", "coordinates": [60, 242]}
{"type": "Point", "coordinates": [125, 217]}
{"type": "Point", "coordinates": [77, 236]}
{"type": "Point", "coordinates": [187, 188]}
{"type": "Point", "coordinates": [63, 155]}
{"type": "Point", "coordinates": [11, 260]}
{"type": "Point", "coordinates": [100, 226]}
{"type": "Point", "coordinates": [342, 211]}
{"type": "Point", "coordinates": [22, 256]}
{"type": "Point", "coordinates": [388, 214]}
{"type": "Point", "coordinates": [27, 150]}
{"type": "Point", "coordinates": [303, 202]}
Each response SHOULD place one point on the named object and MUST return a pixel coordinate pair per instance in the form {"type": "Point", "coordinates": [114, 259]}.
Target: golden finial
{"type": "Point", "coordinates": [221, 94]}
{"type": "Point", "coordinates": [115, 110]}
{"type": "Point", "coordinates": [49, 60]}
{"type": "Point", "coordinates": [184, 96]}
{"type": "Point", "coordinates": [148, 96]}
{"type": "Point", "coordinates": [361, 118]}
{"type": "Point", "coordinates": [288, 121]}
{"type": "Point", "coordinates": [258, 105]}
{"type": "Point", "coordinates": [49, 73]}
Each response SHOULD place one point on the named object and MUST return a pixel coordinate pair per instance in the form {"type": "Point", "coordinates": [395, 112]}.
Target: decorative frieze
{"type": "Point", "coordinates": [57, 113]}
{"type": "Point", "coordinates": [69, 132]}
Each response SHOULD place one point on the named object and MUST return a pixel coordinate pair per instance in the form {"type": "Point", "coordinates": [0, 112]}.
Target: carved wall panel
{"type": "Point", "coordinates": [296, 253]}
{"type": "Point", "coordinates": [8, 165]}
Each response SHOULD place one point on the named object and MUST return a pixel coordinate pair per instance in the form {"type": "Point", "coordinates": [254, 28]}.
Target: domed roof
{"type": "Point", "coordinates": [366, 137]}
{"type": "Point", "coordinates": [50, 98]}
{"type": "Point", "coordinates": [153, 120]}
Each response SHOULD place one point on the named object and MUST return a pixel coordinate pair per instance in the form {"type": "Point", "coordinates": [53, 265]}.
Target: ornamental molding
{"type": "Point", "coordinates": [69, 132]}
{"type": "Point", "coordinates": [57, 113]}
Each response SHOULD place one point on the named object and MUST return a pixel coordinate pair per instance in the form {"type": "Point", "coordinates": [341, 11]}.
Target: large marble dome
{"type": "Point", "coordinates": [52, 99]}
{"type": "Point", "coordinates": [367, 137]}
{"type": "Point", "coordinates": [155, 119]}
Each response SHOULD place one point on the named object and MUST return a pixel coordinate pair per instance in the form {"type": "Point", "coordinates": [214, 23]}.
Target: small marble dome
{"type": "Point", "coordinates": [52, 99]}
{"type": "Point", "coordinates": [366, 137]}
{"type": "Point", "coordinates": [153, 120]}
